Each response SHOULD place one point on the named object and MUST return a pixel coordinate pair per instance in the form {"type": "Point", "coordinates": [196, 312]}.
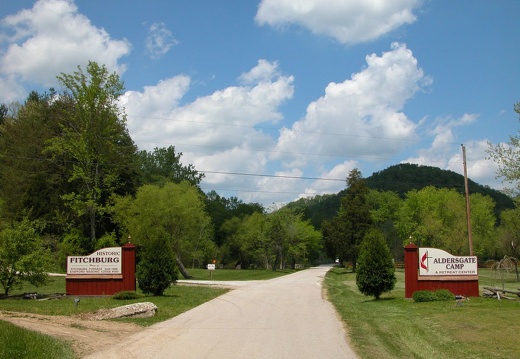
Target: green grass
{"type": "Point", "coordinates": [20, 343]}
{"type": "Point", "coordinates": [176, 300]}
{"type": "Point", "coordinates": [234, 274]}
{"type": "Point", "coordinates": [395, 327]}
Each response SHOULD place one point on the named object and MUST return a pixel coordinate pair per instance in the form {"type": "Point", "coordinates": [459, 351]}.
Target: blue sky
{"type": "Point", "coordinates": [279, 99]}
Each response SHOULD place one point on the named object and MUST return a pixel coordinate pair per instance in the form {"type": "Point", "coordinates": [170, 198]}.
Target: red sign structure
{"type": "Point", "coordinates": [433, 269]}
{"type": "Point", "coordinates": [105, 272]}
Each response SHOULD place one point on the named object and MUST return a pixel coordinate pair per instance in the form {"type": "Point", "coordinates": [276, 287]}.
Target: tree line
{"type": "Point", "coordinates": [72, 181]}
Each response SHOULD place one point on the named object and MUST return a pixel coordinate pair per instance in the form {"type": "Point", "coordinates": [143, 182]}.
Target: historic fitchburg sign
{"type": "Point", "coordinates": [103, 261]}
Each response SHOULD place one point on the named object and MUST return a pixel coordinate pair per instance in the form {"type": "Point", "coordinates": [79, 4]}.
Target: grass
{"type": "Point", "coordinates": [19, 343]}
{"type": "Point", "coordinates": [233, 274]}
{"type": "Point", "coordinates": [395, 327]}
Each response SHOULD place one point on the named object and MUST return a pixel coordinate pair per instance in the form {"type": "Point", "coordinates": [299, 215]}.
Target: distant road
{"type": "Point", "coordinates": [280, 318]}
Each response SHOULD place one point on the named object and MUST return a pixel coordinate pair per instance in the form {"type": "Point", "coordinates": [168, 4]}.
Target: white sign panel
{"type": "Point", "coordinates": [433, 261]}
{"type": "Point", "coordinates": [102, 261]}
{"type": "Point", "coordinates": [211, 266]}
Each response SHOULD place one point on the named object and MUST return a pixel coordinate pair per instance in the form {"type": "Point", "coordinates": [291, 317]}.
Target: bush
{"type": "Point", "coordinates": [423, 296]}
{"type": "Point", "coordinates": [443, 295]}
{"type": "Point", "coordinates": [375, 270]}
{"type": "Point", "coordinates": [125, 295]}
{"type": "Point", "coordinates": [157, 268]}
{"type": "Point", "coordinates": [433, 296]}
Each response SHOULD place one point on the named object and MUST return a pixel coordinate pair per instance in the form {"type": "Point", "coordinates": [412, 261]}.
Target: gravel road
{"type": "Point", "coordinates": [286, 317]}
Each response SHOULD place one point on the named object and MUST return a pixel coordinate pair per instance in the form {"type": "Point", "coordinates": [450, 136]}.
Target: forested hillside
{"type": "Point", "coordinates": [400, 178]}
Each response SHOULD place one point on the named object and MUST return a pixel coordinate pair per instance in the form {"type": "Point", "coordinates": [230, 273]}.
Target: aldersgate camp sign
{"type": "Point", "coordinates": [102, 261]}
{"type": "Point", "coordinates": [433, 269]}
{"type": "Point", "coordinates": [436, 262]}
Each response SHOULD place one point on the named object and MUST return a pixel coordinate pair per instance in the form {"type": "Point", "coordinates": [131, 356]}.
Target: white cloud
{"type": "Point", "coordinates": [53, 37]}
{"type": "Point", "coordinates": [159, 40]}
{"type": "Point", "coordinates": [349, 22]}
{"type": "Point", "coordinates": [361, 116]}
{"type": "Point", "coordinates": [217, 132]}
{"type": "Point", "coordinates": [444, 140]}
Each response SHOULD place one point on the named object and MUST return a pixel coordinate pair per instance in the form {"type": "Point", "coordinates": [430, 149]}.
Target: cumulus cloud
{"type": "Point", "coordinates": [361, 116]}
{"type": "Point", "coordinates": [159, 40]}
{"type": "Point", "coordinates": [217, 133]}
{"type": "Point", "coordinates": [53, 37]}
{"type": "Point", "coordinates": [348, 22]}
{"type": "Point", "coordinates": [443, 142]}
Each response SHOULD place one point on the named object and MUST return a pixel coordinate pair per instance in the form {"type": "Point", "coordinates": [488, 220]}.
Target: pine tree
{"type": "Point", "coordinates": [376, 273]}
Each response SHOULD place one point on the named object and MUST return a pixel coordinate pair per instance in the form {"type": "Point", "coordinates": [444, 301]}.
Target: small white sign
{"type": "Point", "coordinates": [433, 261]}
{"type": "Point", "coordinates": [211, 266]}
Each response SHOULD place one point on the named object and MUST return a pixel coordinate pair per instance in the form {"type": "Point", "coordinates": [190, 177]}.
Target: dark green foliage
{"type": "Point", "coordinates": [164, 165]}
{"type": "Point", "coordinates": [345, 232]}
{"type": "Point", "coordinates": [375, 274]}
{"type": "Point", "coordinates": [126, 295]}
{"type": "Point", "coordinates": [405, 177]}
{"type": "Point", "coordinates": [401, 179]}
{"type": "Point", "coordinates": [432, 296]}
{"type": "Point", "coordinates": [156, 269]}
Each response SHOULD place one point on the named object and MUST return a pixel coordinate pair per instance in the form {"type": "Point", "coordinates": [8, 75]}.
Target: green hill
{"type": "Point", "coordinates": [401, 179]}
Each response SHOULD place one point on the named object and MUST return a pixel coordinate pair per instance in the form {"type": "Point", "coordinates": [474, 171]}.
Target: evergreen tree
{"type": "Point", "coordinates": [344, 234]}
{"type": "Point", "coordinates": [156, 269]}
{"type": "Point", "coordinates": [376, 273]}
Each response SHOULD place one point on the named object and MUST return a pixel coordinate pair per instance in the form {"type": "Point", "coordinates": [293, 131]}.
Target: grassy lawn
{"type": "Point", "coordinates": [18, 343]}
{"type": "Point", "coordinates": [395, 327]}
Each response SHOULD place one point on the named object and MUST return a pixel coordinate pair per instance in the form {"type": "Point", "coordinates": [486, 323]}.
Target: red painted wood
{"type": "Point", "coordinates": [103, 285]}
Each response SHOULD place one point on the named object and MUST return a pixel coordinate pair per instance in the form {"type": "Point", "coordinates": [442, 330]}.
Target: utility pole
{"type": "Point", "coordinates": [468, 210]}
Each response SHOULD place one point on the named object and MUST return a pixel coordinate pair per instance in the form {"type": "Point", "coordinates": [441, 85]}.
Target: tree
{"type": "Point", "coordinates": [509, 233]}
{"type": "Point", "coordinates": [22, 256]}
{"type": "Point", "coordinates": [435, 217]}
{"type": "Point", "coordinates": [506, 156]}
{"type": "Point", "coordinates": [163, 165]}
{"type": "Point", "coordinates": [384, 208]}
{"type": "Point", "coordinates": [156, 270]}
{"type": "Point", "coordinates": [376, 273]}
{"type": "Point", "coordinates": [30, 182]}
{"type": "Point", "coordinates": [94, 138]}
{"type": "Point", "coordinates": [174, 213]}
{"type": "Point", "coordinates": [344, 234]}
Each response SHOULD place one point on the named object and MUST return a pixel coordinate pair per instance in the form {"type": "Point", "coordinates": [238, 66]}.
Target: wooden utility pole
{"type": "Point", "coordinates": [468, 210]}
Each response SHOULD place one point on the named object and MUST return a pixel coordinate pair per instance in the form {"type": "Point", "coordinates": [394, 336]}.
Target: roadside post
{"type": "Point", "coordinates": [211, 268]}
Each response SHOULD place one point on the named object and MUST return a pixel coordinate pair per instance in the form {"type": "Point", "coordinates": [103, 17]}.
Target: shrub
{"type": "Point", "coordinates": [125, 295]}
{"type": "Point", "coordinates": [157, 268]}
{"type": "Point", "coordinates": [432, 296]}
{"type": "Point", "coordinates": [443, 295]}
{"type": "Point", "coordinates": [423, 296]}
{"type": "Point", "coordinates": [375, 270]}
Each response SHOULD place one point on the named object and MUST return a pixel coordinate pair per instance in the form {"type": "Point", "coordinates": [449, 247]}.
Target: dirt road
{"type": "Point", "coordinates": [285, 317]}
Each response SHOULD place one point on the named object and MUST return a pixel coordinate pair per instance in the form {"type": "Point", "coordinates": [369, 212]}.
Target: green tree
{"type": "Point", "coordinates": [509, 234]}
{"type": "Point", "coordinates": [375, 274]}
{"type": "Point", "coordinates": [164, 165]}
{"type": "Point", "coordinates": [156, 270]}
{"type": "Point", "coordinates": [435, 217]}
{"type": "Point", "coordinates": [344, 234]}
{"type": "Point", "coordinates": [506, 155]}
{"type": "Point", "coordinates": [93, 136]}
{"type": "Point", "coordinates": [174, 213]}
{"type": "Point", "coordinates": [384, 208]}
{"type": "Point", "coordinates": [22, 256]}
{"type": "Point", "coordinates": [30, 182]}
